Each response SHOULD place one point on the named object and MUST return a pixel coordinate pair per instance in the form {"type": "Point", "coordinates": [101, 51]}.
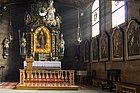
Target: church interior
{"type": "Point", "coordinates": [78, 46]}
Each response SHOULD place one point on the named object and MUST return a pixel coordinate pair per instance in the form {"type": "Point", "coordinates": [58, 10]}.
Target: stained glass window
{"type": "Point", "coordinates": [118, 13]}
{"type": "Point", "coordinates": [95, 18]}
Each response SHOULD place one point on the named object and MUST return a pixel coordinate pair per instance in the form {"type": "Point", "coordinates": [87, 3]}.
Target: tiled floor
{"type": "Point", "coordinates": [7, 88]}
{"type": "Point", "coordinates": [54, 91]}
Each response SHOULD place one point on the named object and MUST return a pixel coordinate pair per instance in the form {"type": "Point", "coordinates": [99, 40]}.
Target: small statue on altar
{"type": "Point", "coordinates": [27, 18]}
{"type": "Point", "coordinates": [23, 44]}
{"type": "Point", "coordinates": [5, 44]}
{"type": "Point", "coordinates": [62, 45]}
{"type": "Point", "coordinates": [58, 21]}
{"type": "Point", "coordinates": [41, 39]}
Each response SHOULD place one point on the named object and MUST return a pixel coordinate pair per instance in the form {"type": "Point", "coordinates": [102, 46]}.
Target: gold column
{"type": "Point", "coordinates": [22, 76]}
{"type": "Point", "coordinates": [29, 62]}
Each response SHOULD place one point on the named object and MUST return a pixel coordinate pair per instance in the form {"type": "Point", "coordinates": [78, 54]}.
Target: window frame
{"type": "Point", "coordinates": [98, 22]}
{"type": "Point", "coordinates": [112, 12]}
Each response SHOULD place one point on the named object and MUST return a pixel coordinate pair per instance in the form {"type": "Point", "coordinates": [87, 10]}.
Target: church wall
{"type": "Point", "coordinates": [3, 33]}
{"type": "Point", "coordinates": [14, 61]}
{"type": "Point", "coordinates": [69, 29]}
{"type": "Point", "coordinates": [129, 69]}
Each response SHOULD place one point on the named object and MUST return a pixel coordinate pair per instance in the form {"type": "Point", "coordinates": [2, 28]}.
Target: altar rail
{"type": "Point", "coordinates": [46, 78]}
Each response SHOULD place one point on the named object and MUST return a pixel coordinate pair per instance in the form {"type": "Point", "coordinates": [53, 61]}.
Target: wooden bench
{"type": "Point", "coordinates": [98, 82]}
{"type": "Point", "coordinates": [127, 88]}
{"type": "Point", "coordinates": [81, 75]}
{"type": "Point", "coordinates": [113, 76]}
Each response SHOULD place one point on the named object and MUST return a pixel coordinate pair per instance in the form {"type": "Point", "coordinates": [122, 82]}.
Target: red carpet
{"type": "Point", "coordinates": [8, 85]}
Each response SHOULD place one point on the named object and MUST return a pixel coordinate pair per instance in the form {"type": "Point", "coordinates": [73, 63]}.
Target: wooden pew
{"type": "Point", "coordinates": [113, 76]}
{"type": "Point", "coordinates": [127, 88]}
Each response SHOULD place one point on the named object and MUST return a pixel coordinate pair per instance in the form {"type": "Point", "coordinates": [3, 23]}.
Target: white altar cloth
{"type": "Point", "coordinates": [45, 64]}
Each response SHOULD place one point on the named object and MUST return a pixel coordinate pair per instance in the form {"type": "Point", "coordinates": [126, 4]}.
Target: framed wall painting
{"type": "Point", "coordinates": [94, 55]}
{"type": "Point", "coordinates": [117, 44]}
{"type": "Point", "coordinates": [86, 50]}
{"type": "Point", "coordinates": [132, 40]}
{"type": "Point", "coordinates": [104, 46]}
{"type": "Point", "coordinates": [81, 52]}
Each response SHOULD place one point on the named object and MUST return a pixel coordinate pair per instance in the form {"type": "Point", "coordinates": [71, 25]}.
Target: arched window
{"type": "Point", "coordinates": [118, 12]}
{"type": "Point", "coordinates": [95, 18]}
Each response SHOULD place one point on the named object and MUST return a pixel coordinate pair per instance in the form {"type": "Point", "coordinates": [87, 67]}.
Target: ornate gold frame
{"type": "Point", "coordinates": [47, 48]}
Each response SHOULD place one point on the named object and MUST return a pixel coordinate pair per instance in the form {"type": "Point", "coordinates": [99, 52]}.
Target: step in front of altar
{"type": "Point", "coordinates": [46, 87]}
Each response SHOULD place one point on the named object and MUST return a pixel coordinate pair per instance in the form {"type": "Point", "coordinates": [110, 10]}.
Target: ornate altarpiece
{"type": "Point", "coordinates": [104, 47]}
{"type": "Point", "coordinates": [117, 44]}
{"type": "Point", "coordinates": [132, 40]}
{"type": "Point", "coordinates": [41, 33]}
{"type": "Point", "coordinates": [94, 49]}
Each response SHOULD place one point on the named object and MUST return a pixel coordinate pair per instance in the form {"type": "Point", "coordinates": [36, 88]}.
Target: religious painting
{"type": "Point", "coordinates": [42, 40]}
{"type": "Point", "coordinates": [133, 40]}
{"type": "Point", "coordinates": [94, 49]}
{"type": "Point", "coordinates": [77, 53]}
{"type": "Point", "coordinates": [117, 44]}
{"type": "Point", "coordinates": [86, 51]}
{"type": "Point", "coordinates": [81, 52]}
{"type": "Point", "coordinates": [104, 46]}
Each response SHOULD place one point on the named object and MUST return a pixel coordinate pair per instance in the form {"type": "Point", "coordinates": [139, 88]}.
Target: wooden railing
{"type": "Point", "coordinates": [46, 78]}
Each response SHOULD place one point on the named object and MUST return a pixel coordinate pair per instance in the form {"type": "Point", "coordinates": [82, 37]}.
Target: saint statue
{"type": "Point", "coordinates": [27, 18]}
{"type": "Point", "coordinates": [62, 45]}
{"type": "Point", "coordinates": [41, 37]}
{"type": "Point", "coordinates": [58, 21]}
{"type": "Point", "coordinates": [51, 14]}
{"type": "Point", "coordinates": [23, 45]}
{"type": "Point", "coordinates": [5, 43]}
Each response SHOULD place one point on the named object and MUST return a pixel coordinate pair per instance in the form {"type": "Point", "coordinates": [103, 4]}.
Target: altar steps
{"type": "Point", "coordinates": [31, 87]}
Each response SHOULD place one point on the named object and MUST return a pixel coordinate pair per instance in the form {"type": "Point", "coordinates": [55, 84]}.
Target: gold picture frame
{"type": "Point", "coordinates": [44, 46]}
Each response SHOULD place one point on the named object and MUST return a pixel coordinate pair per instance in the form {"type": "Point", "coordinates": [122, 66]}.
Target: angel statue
{"type": "Point", "coordinates": [51, 14]}
{"type": "Point", "coordinates": [58, 21]}
{"type": "Point", "coordinates": [62, 45]}
{"type": "Point", "coordinates": [23, 44]}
